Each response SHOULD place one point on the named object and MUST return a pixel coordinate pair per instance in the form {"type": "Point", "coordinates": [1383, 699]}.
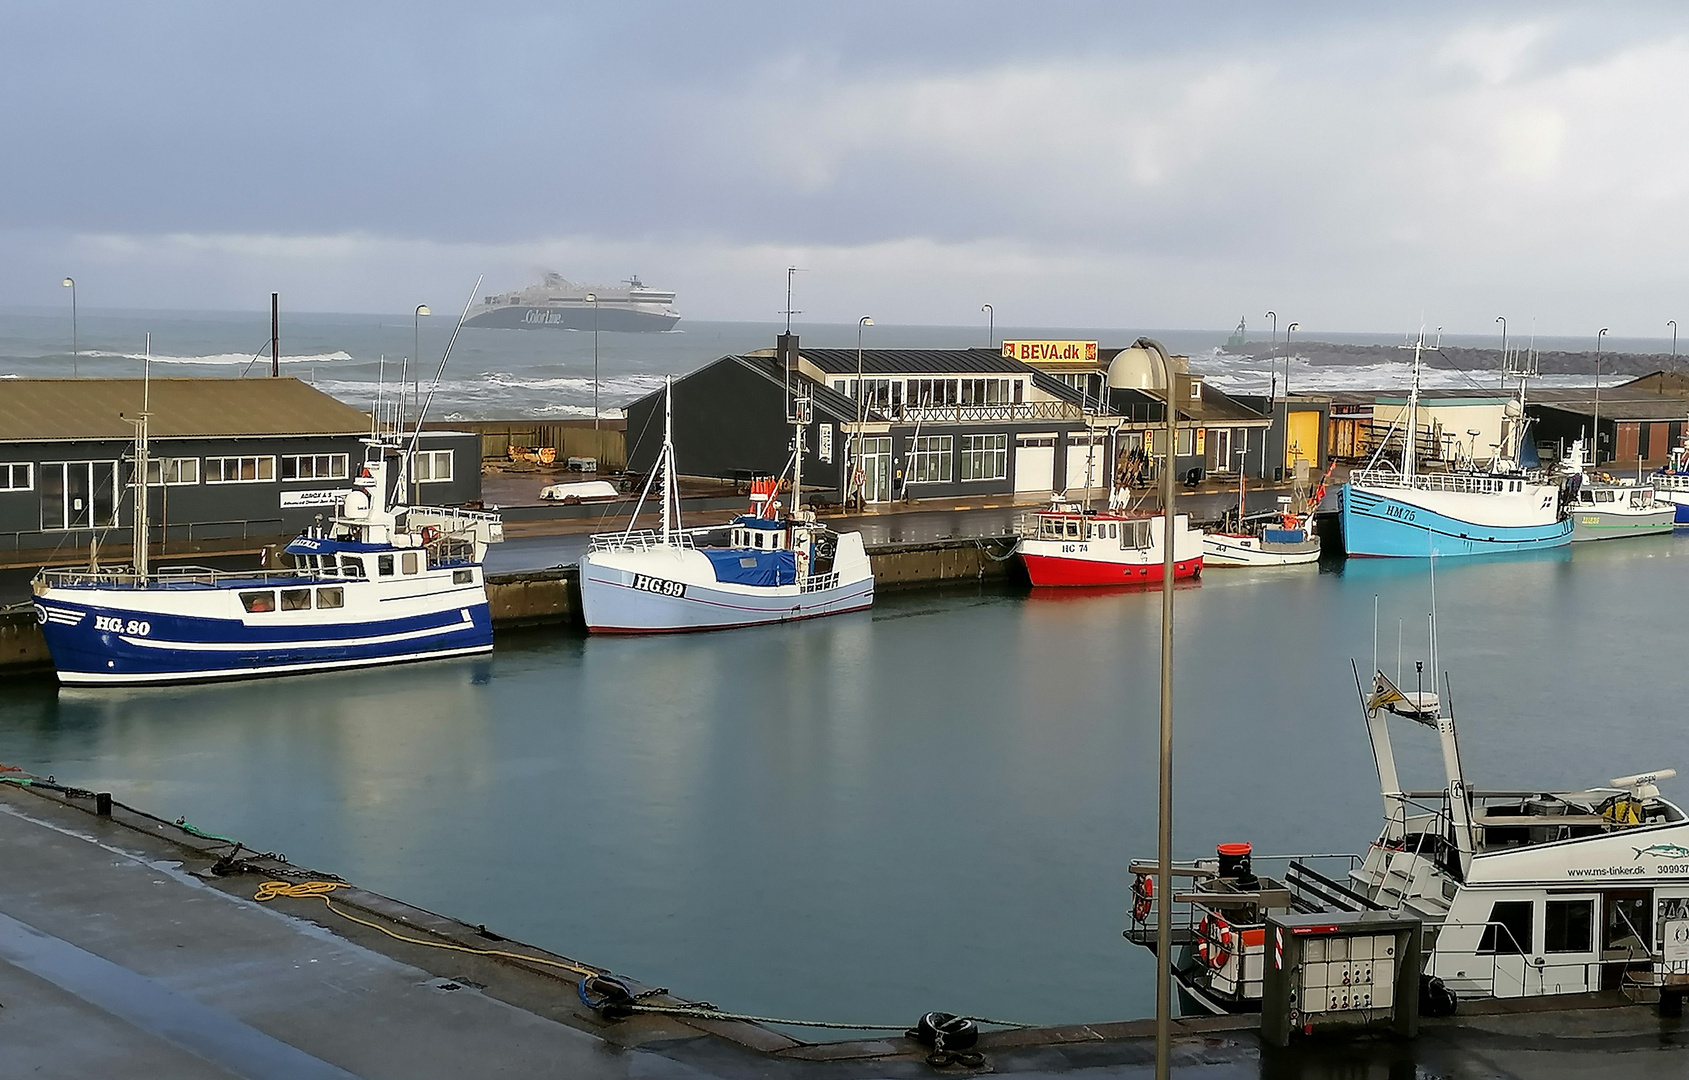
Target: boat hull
{"type": "Point", "coordinates": [609, 320]}
{"type": "Point", "coordinates": [1055, 570]}
{"type": "Point", "coordinates": [613, 604]}
{"type": "Point", "coordinates": [1219, 549]}
{"type": "Point", "coordinates": [1387, 523]}
{"type": "Point", "coordinates": [114, 636]}
{"type": "Point", "coordinates": [1600, 525]}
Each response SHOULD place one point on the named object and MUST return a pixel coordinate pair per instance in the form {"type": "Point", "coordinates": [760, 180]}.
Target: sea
{"type": "Point", "coordinates": [506, 374]}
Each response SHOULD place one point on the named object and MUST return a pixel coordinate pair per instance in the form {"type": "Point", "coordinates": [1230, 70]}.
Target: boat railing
{"type": "Point", "coordinates": [1455, 482]}
{"type": "Point", "coordinates": [125, 577]}
{"type": "Point", "coordinates": [1508, 969]}
{"type": "Point", "coordinates": [639, 540]}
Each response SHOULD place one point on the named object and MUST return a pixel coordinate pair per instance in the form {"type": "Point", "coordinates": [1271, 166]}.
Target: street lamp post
{"type": "Point", "coordinates": [416, 351]}
{"type": "Point", "coordinates": [1673, 324]}
{"type": "Point", "coordinates": [990, 325]}
{"type": "Point", "coordinates": [1595, 437]}
{"type": "Point", "coordinates": [1164, 813]}
{"type": "Point", "coordinates": [1502, 319]}
{"type": "Point", "coordinates": [592, 298]}
{"type": "Point", "coordinates": [70, 283]}
{"type": "Point", "coordinates": [1287, 332]}
{"type": "Point", "coordinates": [861, 404]}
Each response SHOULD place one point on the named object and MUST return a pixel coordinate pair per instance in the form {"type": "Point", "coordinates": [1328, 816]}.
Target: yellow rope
{"type": "Point", "coordinates": [269, 890]}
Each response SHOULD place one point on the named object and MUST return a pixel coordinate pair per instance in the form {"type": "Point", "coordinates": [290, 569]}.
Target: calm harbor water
{"type": "Point", "coordinates": [930, 805]}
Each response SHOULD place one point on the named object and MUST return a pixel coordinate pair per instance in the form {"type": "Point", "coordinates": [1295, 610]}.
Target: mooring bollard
{"type": "Point", "coordinates": [102, 803]}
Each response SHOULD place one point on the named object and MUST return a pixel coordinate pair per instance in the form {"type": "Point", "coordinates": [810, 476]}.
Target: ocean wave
{"type": "Point", "coordinates": [224, 359]}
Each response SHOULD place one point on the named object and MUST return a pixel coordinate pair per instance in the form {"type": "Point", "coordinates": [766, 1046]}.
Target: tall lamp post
{"type": "Point", "coordinates": [1502, 319]}
{"type": "Point", "coordinates": [1673, 324]}
{"type": "Point", "coordinates": [1595, 439]}
{"type": "Point", "coordinates": [70, 283]}
{"type": "Point", "coordinates": [416, 351]}
{"type": "Point", "coordinates": [861, 403]}
{"type": "Point", "coordinates": [1287, 332]}
{"type": "Point", "coordinates": [1164, 813]}
{"type": "Point", "coordinates": [592, 298]}
{"type": "Point", "coordinates": [990, 324]}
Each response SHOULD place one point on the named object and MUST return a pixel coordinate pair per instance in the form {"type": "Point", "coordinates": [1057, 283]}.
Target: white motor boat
{"type": "Point", "coordinates": [767, 570]}
{"type": "Point", "coordinates": [1521, 893]}
{"type": "Point", "coordinates": [1603, 508]}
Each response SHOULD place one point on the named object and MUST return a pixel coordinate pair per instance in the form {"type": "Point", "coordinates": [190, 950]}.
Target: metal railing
{"type": "Point", "coordinates": [638, 540]}
{"type": "Point", "coordinates": [125, 578]}
{"type": "Point", "coordinates": [1027, 410]}
{"type": "Point", "coordinates": [1457, 482]}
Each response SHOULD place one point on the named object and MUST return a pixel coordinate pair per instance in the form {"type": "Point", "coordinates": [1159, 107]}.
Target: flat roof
{"type": "Point", "coordinates": [56, 410]}
{"type": "Point", "coordinates": [1617, 402]}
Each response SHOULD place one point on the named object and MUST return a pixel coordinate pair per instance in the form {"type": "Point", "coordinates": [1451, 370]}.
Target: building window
{"type": "Point", "coordinates": [934, 393]}
{"type": "Point", "coordinates": [433, 466]}
{"type": "Point", "coordinates": [78, 494]}
{"type": "Point", "coordinates": [170, 472]}
{"type": "Point", "coordinates": [987, 391]}
{"type": "Point", "coordinates": [239, 470]}
{"type": "Point", "coordinates": [985, 457]}
{"type": "Point", "coordinates": [929, 462]}
{"type": "Point", "coordinates": [1185, 442]}
{"type": "Point", "coordinates": [314, 467]}
{"type": "Point", "coordinates": [16, 477]}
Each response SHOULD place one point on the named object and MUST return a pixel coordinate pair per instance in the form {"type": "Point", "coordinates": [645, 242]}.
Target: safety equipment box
{"type": "Point", "coordinates": [1340, 970]}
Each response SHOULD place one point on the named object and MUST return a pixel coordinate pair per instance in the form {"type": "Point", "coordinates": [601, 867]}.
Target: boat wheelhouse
{"type": "Point", "coordinates": [1067, 544]}
{"type": "Point", "coordinates": [1521, 892]}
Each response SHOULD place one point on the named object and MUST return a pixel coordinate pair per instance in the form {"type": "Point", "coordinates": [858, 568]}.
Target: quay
{"type": "Point", "coordinates": [131, 946]}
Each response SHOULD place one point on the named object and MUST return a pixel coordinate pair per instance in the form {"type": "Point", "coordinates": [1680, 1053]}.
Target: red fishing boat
{"type": "Point", "coordinates": [1069, 545]}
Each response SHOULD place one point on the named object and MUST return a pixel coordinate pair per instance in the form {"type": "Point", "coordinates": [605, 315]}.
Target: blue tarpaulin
{"type": "Point", "coordinates": [1283, 536]}
{"type": "Point", "coordinates": [746, 566]}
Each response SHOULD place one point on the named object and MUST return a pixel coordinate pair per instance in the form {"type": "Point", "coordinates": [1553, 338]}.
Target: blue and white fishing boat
{"type": "Point", "coordinates": [758, 569]}
{"type": "Point", "coordinates": [379, 583]}
{"type": "Point", "coordinates": [1403, 512]}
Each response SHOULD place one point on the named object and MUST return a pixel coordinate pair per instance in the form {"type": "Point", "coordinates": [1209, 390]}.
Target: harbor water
{"type": "Point", "coordinates": [930, 805]}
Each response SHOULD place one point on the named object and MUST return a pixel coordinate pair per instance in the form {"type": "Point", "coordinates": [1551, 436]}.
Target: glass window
{"type": "Point", "coordinates": [384, 565]}
{"type": "Point", "coordinates": [256, 602]}
{"type": "Point", "coordinates": [351, 566]}
{"type": "Point", "coordinates": [16, 476]}
{"type": "Point", "coordinates": [929, 462]}
{"type": "Point", "coordinates": [462, 577]}
{"type": "Point", "coordinates": [1568, 925]}
{"type": "Point", "coordinates": [1628, 925]}
{"type": "Point", "coordinates": [432, 466]}
{"type": "Point", "coordinates": [78, 494]}
{"type": "Point", "coordinates": [1509, 929]}
{"type": "Point", "coordinates": [1185, 442]}
{"type": "Point", "coordinates": [239, 470]}
{"type": "Point", "coordinates": [332, 597]}
{"type": "Point", "coordinates": [172, 471]}
{"type": "Point", "coordinates": [314, 467]}
{"type": "Point", "coordinates": [407, 562]}
{"type": "Point", "coordinates": [296, 599]}
{"type": "Point", "coordinates": [985, 457]}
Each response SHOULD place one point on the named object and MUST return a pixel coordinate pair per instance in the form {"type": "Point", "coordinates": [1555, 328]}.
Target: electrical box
{"type": "Point", "coordinates": [1340, 970]}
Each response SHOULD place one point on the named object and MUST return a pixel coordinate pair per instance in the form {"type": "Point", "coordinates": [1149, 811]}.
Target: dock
{"type": "Point", "coordinates": [132, 946]}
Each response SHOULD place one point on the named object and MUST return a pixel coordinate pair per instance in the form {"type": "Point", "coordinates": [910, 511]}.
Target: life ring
{"type": "Point", "coordinates": [430, 533]}
{"type": "Point", "coordinates": [1143, 892]}
{"type": "Point", "coordinates": [1214, 941]}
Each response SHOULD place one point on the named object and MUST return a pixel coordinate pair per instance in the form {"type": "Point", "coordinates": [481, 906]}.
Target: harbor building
{"type": "Point", "coordinates": [1637, 427]}
{"type": "Point", "coordinates": [229, 460]}
{"type": "Point", "coordinates": [937, 423]}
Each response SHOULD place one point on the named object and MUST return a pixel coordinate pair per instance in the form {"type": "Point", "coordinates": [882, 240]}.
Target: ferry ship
{"type": "Point", "coordinates": [1406, 513]}
{"type": "Point", "coordinates": [557, 303]}
{"type": "Point", "coordinates": [1522, 893]}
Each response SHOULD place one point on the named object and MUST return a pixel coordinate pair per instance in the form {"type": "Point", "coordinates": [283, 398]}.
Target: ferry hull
{"type": "Point", "coordinates": [1598, 525]}
{"type": "Point", "coordinates": [612, 605]}
{"type": "Point", "coordinates": [1054, 570]}
{"type": "Point", "coordinates": [610, 320]}
{"type": "Point", "coordinates": [149, 646]}
{"type": "Point", "coordinates": [1375, 524]}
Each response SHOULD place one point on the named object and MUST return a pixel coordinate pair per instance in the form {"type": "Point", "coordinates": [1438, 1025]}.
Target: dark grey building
{"type": "Point", "coordinates": [892, 423]}
{"type": "Point", "coordinates": [229, 459]}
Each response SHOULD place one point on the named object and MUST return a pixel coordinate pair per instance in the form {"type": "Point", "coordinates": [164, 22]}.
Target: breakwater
{"type": "Point", "coordinates": [553, 597]}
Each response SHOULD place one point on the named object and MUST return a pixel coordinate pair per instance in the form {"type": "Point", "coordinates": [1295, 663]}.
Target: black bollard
{"type": "Point", "coordinates": [102, 803]}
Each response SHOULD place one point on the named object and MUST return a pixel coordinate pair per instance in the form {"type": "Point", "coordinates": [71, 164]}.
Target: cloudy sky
{"type": "Point", "coordinates": [1112, 164]}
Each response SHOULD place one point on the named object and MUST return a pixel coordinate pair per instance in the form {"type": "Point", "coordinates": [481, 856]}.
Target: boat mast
{"type": "Point", "coordinates": [667, 464]}
{"type": "Point", "coordinates": [1410, 457]}
{"type": "Point", "coordinates": [140, 423]}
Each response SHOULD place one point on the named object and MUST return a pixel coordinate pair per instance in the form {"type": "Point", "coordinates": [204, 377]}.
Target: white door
{"type": "Point", "coordinates": [1035, 462]}
{"type": "Point", "coordinates": [876, 469]}
{"type": "Point", "coordinates": [1566, 956]}
{"type": "Point", "coordinates": [1085, 464]}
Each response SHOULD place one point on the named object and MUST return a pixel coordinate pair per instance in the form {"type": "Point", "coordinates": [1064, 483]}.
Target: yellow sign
{"type": "Point", "coordinates": [1040, 352]}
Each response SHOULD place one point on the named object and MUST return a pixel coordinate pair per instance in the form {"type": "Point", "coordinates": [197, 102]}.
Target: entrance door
{"type": "Point", "coordinates": [1627, 934]}
{"type": "Point", "coordinates": [1035, 462]}
{"type": "Point", "coordinates": [1220, 446]}
{"type": "Point", "coordinates": [1302, 438]}
{"type": "Point", "coordinates": [1566, 955]}
{"type": "Point", "coordinates": [876, 469]}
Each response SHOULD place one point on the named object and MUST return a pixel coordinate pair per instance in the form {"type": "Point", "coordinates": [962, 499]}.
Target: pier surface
{"type": "Point", "coordinates": [123, 954]}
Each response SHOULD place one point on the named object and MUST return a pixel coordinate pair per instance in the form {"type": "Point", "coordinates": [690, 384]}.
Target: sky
{"type": "Point", "coordinates": [1353, 167]}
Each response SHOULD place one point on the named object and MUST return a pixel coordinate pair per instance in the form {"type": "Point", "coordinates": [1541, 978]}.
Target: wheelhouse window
{"type": "Point", "coordinates": [408, 562]}
{"type": "Point", "coordinates": [351, 566]}
{"type": "Point", "coordinates": [929, 462]}
{"type": "Point", "coordinates": [296, 599]}
{"type": "Point", "coordinates": [172, 472]}
{"type": "Point", "coordinates": [332, 597]}
{"type": "Point", "coordinates": [258, 602]}
{"type": "Point", "coordinates": [985, 457]}
{"type": "Point", "coordinates": [1508, 932]}
{"type": "Point", "coordinates": [239, 470]}
{"type": "Point", "coordinates": [314, 467]}
{"type": "Point", "coordinates": [384, 565]}
{"type": "Point", "coordinates": [463, 577]}
{"type": "Point", "coordinates": [16, 476]}
{"type": "Point", "coordinates": [433, 466]}
{"type": "Point", "coordinates": [1568, 926]}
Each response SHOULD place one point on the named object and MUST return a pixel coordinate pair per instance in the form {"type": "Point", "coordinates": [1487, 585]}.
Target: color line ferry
{"type": "Point", "coordinates": [1522, 892]}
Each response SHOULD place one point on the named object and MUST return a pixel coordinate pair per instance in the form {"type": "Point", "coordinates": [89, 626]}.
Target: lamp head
{"type": "Point", "coordinates": [592, 298]}
{"type": "Point", "coordinates": [70, 283]}
{"type": "Point", "coordinates": [866, 320]}
{"type": "Point", "coordinates": [422, 309]}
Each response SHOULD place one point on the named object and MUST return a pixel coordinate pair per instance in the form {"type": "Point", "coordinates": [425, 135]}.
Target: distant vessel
{"type": "Point", "coordinates": [557, 303]}
{"type": "Point", "coordinates": [1407, 513]}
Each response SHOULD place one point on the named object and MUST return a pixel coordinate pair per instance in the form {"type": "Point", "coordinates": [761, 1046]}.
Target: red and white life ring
{"type": "Point", "coordinates": [1143, 892]}
{"type": "Point", "coordinates": [1214, 941]}
{"type": "Point", "coordinates": [430, 533]}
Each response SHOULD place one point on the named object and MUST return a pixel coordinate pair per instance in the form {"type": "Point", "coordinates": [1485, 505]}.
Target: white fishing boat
{"type": "Point", "coordinates": [1522, 892]}
{"type": "Point", "coordinates": [1066, 544]}
{"type": "Point", "coordinates": [758, 569]}
{"type": "Point", "coordinates": [1605, 508]}
{"type": "Point", "coordinates": [379, 583]}
{"type": "Point", "coordinates": [1282, 538]}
